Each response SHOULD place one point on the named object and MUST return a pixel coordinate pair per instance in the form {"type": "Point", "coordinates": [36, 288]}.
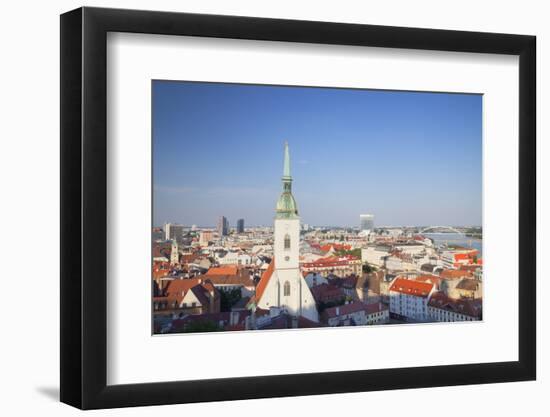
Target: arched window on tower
{"type": "Point", "coordinates": [287, 242]}
{"type": "Point", "coordinates": [287, 289]}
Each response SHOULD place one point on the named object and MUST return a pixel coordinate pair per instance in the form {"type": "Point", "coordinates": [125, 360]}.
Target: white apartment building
{"type": "Point", "coordinates": [394, 263]}
{"type": "Point", "coordinates": [412, 249]}
{"type": "Point", "coordinates": [234, 258]}
{"type": "Point", "coordinates": [409, 299]}
{"type": "Point", "coordinates": [374, 255]}
{"type": "Point", "coordinates": [376, 314]}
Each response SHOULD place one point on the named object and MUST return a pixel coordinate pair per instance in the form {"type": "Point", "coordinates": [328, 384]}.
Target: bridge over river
{"type": "Point", "coordinates": [441, 229]}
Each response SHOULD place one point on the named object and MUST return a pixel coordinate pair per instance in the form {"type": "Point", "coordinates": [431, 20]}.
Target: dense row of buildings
{"type": "Point", "coordinates": [289, 276]}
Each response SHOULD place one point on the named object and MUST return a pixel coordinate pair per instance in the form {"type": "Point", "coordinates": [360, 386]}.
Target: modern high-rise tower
{"type": "Point", "coordinates": [223, 226]}
{"type": "Point", "coordinates": [173, 231]}
{"type": "Point", "coordinates": [366, 222]}
{"type": "Point", "coordinates": [240, 226]}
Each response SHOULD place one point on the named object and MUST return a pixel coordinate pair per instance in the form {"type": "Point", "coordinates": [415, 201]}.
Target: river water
{"type": "Point", "coordinates": [456, 239]}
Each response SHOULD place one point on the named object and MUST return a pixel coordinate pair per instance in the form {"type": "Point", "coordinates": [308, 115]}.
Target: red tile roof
{"type": "Point", "coordinates": [178, 288]}
{"type": "Point", "coordinates": [234, 280]}
{"type": "Point", "coordinates": [468, 307]}
{"type": "Point", "coordinates": [344, 309]}
{"type": "Point", "coordinates": [223, 270]}
{"type": "Point", "coordinates": [330, 261]}
{"type": "Point", "coordinates": [410, 287]}
{"type": "Point", "coordinates": [160, 269]}
{"type": "Point", "coordinates": [266, 276]}
{"type": "Point", "coordinates": [375, 308]}
{"type": "Point", "coordinates": [465, 256]}
{"type": "Point", "coordinates": [160, 273]}
{"type": "Point", "coordinates": [454, 273]}
{"type": "Point", "coordinates": [161, 252]}
{"type": "Point", "coordinates": [179, 285]}
{"type": "Point", "coordinates": [471, 268]}
{"type": "Point", "coordinates": [326, 292]}
{"type": "Point", "coordinates": [336, 246]}
{"type": "Point", "coordinates": [430, 279]}
{"type": "Point", "coordinates": [189, 258]}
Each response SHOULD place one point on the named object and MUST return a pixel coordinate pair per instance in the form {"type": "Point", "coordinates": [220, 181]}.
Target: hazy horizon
{"type": "Point", "coordinates": [384, 226]}
{"type": "Point", "coordinates": [408, 158]}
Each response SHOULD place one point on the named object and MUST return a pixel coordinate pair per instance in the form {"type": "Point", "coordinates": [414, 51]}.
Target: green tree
{"type": "Point", "coordinates": [367, 268]}
{"type": "Point", "coordinates": [229, 298]}
{"type": "Point", "coordinates": [354, 252]}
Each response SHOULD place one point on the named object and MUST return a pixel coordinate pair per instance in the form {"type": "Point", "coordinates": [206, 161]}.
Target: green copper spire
{"type": "Point", "coordinates": [286, 205]}
{"type": "Point", "coordinates": [286, 167]}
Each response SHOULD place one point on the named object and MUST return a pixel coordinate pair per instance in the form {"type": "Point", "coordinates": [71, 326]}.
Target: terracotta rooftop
{"type": "Point", "coordinates": [266, 276]}
{"type": "Point", "coordinates": [465, 256]}
{"type": "Point", "coordinates": [178, 288]}
{"type": "Point", "coordinates": [454, 273]}
{"type": "Point", "coordinates": [344, 309]}
{"type": "Point", "coordinates": [410, 287]}
{"type": "Point", "coordinates": [234, 280]}
{"type": "Point", "coordinates": [471, 268]}
{"type": "Point", "coordinates": [429, 279]}
{"type": "Point", "coordinates": [330, 261]}
{"type": "Point", "coordinates": [336, 246]}
{"type": "Point", "coordinates": [223, 270]}
{"type": "Point", "coordinates": [326, 292]}
{"type": "Point", "coordinates": [375, 308]}
{"type": "Point", "coordinates": [468, 307]}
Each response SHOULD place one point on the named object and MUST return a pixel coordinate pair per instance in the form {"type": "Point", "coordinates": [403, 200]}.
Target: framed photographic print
{"type": "Point", "coordinates": [292, 208]}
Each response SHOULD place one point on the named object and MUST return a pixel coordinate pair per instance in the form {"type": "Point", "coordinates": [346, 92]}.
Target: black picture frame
{"type": "Point", "coordinates": [84, 207]}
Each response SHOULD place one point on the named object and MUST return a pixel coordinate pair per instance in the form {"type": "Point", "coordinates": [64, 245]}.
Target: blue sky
{"type": "Point", "coordinates": [408, 158]}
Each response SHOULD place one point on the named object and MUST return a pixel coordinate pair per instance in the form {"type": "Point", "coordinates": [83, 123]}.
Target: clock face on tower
{"type": "Point", "coordinates": [287, 258]}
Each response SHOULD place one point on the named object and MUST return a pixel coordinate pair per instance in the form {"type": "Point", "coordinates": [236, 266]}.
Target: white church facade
{"type": "Point", "coordinates": [282, 284]}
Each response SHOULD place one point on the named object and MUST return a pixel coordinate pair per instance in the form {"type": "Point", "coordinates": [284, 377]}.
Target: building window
{"type": "Point", "coordinates": [287, 289]}
{"type": "Point", "coordinates": [287, 242]}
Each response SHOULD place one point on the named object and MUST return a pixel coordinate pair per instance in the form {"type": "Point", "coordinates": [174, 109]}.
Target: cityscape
{"type": "Point", "coordinates": [229, 275]}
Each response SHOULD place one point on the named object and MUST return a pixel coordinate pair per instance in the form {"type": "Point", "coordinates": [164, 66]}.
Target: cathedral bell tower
{"type": "Point", "coordinates": [287, 223]}
{"type": "Point", "coordinates": [282, 284]}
